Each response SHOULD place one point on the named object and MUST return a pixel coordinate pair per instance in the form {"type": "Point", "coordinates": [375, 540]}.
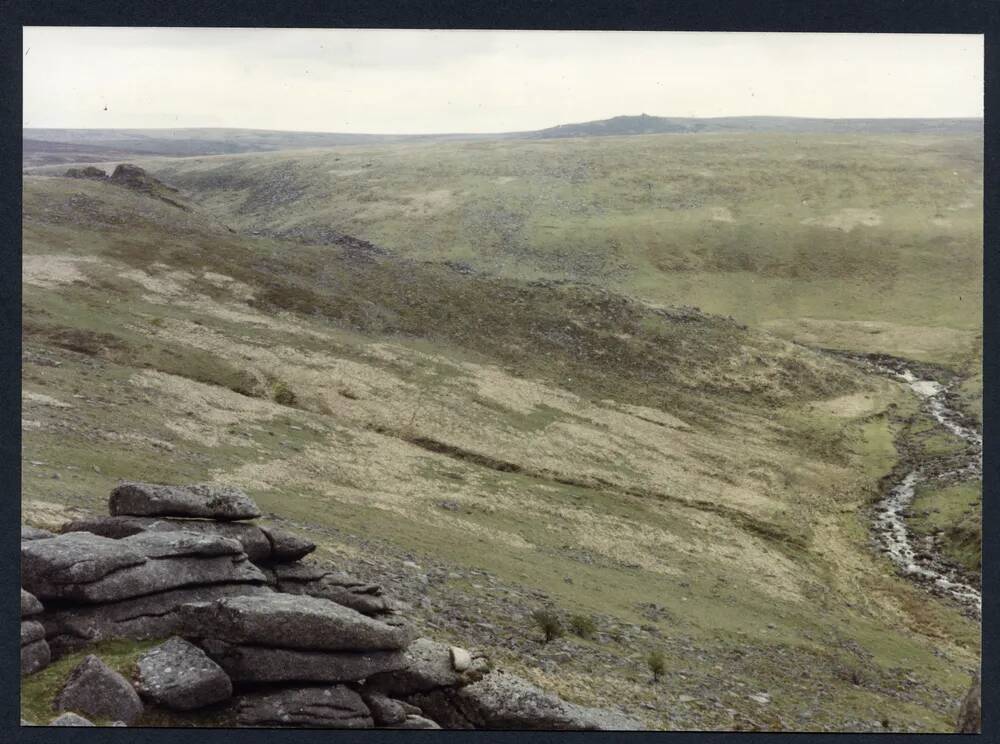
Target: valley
{"type": "Point", "coordinates": [612, 377]}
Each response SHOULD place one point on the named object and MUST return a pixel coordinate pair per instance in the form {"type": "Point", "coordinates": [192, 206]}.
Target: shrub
{"type": "Point", "coordinates": [657, 664]}
{"type": "Point", "coordinates": [548, 622]}
{"type": "Point", "coordinates": [582, 626]}
{"type": "Point", "coordinates": [282, 394]}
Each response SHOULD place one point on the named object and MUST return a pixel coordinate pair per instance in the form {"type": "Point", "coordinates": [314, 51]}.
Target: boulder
{"type": "Point", "coordinates": [179, 676]}
{"type": "Point", "coordinates": [262, 664]}
{"type": "Point", "coordinates": [970, 715]}
{"type": "Point", "coordinates": [35, 656]}
{"type": "Point", "coordinates": [461, 660]}
{"type": "Point", "coordinates": [151, 616]}
{"type": "Point", "coordinates": [287, 621]}
{"type": "Point", "coordinates": [300, 578]}
{"type": "Point", "coordinates": [255, 543]}
{"type": "Point", "coordinates": [96, 690]}
{"type": "Point", "coordinates": [70, 719]}
{"type": "Point", "coordinates": [91, 569]}
{"type": "Point", "coordinates": [33, 533]}
{"type": "Point", "coordinates": [430, 666]}
{"type": "Point", "coordinates": [29, 604]}
{"type": "Point", "coordinates": [286, 546]}
{"type": "Point", "coordinates": [31, 631]}
{"type": "Point", "coordinates": [202, 500]}
{"type": "Point", "coordinates": [316, 707]}
{"type": "Point", "coordinates": [504, 701]}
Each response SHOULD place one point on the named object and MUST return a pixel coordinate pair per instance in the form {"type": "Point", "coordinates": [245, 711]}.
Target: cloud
{"type": "Point", "coordinates": [435, 81]}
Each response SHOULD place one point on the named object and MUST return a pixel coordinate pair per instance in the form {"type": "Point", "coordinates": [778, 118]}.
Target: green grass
{"type": "Point", "coordinates": [956, 511]}
{"type": "Point", "coordinates": [38, 692]}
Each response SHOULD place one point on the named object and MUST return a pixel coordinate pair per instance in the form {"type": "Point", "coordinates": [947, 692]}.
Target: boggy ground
{"type": "Point", "coordinates": [695, 486]}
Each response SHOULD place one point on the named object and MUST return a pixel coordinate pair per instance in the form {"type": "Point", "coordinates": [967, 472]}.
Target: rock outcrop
{"type": "Point", "coordinates": [180, 676]}
{"type": "Point", "coordinates": [96, 690]}
{"type": "Point", "coordinates": [87, 172]}
{"type": "Point", "coordinates": [292, 643]}
{"type": "Point", "coordinates": [35, 652]}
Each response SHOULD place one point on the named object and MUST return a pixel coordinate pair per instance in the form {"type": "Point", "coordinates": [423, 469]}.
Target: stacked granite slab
{"type": "Point", "coordinates": [204, 508]}
{"type": "Point", "coordinates": [35, 654]}
{"type": "Point", "coordinates": [299, 660]}
{"type": "Point", "coordinates": [130, 586]}
{"type": "Point", "coordinates": [284, 643]}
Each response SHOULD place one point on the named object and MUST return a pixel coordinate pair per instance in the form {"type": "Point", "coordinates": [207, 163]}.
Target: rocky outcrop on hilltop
{"type": "Point", "coordinates": [252, 629]}
{"type": "Point", "coordinates": [131, 177]}
{"type": "Point", "coordinates": [87, 172]}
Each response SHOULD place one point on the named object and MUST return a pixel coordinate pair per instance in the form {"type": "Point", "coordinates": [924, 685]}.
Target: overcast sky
{"type": "Point", "coordinates": [481, 81]}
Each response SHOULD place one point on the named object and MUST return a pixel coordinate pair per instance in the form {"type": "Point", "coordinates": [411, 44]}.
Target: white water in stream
{"type": "Point", "coordinates": [890, 520]}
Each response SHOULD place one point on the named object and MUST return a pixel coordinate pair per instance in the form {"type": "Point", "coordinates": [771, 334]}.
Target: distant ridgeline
{"type": "Point", "coordinates": [51, 146]}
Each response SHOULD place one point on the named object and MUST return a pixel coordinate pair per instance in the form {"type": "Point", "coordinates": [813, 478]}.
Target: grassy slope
{"type": "Point", "coordinates": [871, 243]}
{"type": "Point", "coordinates": [685, 461]}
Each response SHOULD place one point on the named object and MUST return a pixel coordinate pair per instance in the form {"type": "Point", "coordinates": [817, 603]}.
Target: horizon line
{"type": "Point", "coordinates": [518, 131]}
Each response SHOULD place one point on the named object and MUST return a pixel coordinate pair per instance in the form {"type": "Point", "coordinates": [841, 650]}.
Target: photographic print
{"type": "Point", "coordinates": [533, 380]}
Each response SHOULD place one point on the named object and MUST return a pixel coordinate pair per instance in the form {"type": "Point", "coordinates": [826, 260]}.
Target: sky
{"type": "Point", "coordinates": [413, 81]}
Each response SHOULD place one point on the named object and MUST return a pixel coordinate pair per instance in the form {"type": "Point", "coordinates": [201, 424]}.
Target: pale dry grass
{"type": "Point", "coordinates": [849, 406]}
{"type": "Point", "coordinates": [47, 515]}
{"type": "Point", "coordinates": [915, 342]}
{"type": "Point", "coordinates": [42, 399]}
{"type": "Point", "coordinates": [722, 214]}
{"type": "Point", "coordinates": [52, 270]}
{"type": "Point", "coordinates": [846, 219]}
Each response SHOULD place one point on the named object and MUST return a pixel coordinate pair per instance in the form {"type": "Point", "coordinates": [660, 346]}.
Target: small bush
{"type": "Point", "coordinates": [282, 394]}
{"type": "Point", "coordinates": [548, 622]}
{"type": "Point", "coordinates": [657, 664]}
{"type": "Point", "coordinates": [582, 626]}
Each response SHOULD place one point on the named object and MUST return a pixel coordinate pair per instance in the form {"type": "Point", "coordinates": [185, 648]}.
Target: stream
{"type": "Point", "coordinates": [918, 561]}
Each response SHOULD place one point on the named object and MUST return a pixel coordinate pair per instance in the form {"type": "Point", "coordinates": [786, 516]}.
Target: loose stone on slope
{"type": "Point", "coordinates": [96, 690]}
